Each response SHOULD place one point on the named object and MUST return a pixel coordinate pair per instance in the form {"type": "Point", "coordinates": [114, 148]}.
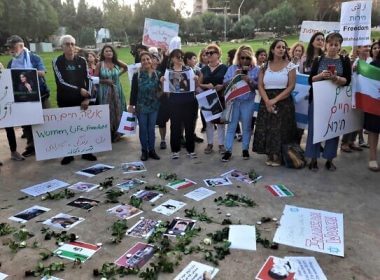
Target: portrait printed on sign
{"type": "Point", "coordinates": [179, 82]}
{"type": "Point", "coordinates": [25, 85]}
{"type": "Point", "coordinates": [179, 227]}
{"type": "Point", "coordinates": [137, 256]}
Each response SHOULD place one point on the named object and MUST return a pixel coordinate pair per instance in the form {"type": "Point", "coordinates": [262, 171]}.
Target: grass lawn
{"type": "Point", "coordinates": [124, 55]}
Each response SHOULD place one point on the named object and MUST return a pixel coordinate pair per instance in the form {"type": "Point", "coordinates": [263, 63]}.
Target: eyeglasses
{"type": "Point", "coordinates": [179, 57]}
{"type": "Point", "coordinates": [68, 44]}
{"type": "Point", "coordinates": [245, 58]}
{"type": "Point", "coordinates": [210, 53]}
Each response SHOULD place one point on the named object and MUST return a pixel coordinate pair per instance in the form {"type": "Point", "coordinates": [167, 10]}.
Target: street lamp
{"type": "Point", "coordinates": [241, 4]}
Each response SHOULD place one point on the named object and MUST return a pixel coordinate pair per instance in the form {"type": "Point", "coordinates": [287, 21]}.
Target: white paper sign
{"type": "Point", "coordinates": [132, 69]}
{"type": "Point", "coordinates": [45, 187]}
{"type": "Point", "coordinates": [71, 131]}
{"type": "Point", "coordinates": [355, 23]}
{"type": "Point", "coordinates": [128, 124]}
{"type": "Point", "coordinates": [311, 229]}
{"type": "Point", "coordinates": [333, 113]}
{"type": "Point", "coordinates": [19, 104]}
{"type": "Point", "coordinates": [3, 276]}
{"type": "Point", "coordinates": [308, 28]}
{"type": "Point", "coordinates": [169, 207]}
{"type": "Point", "coordinates": [179, 81]}
{"type": "Point", "coordinates": [199, 194]}
{"type": "Point", "coordinates": [242, 237]}
{"type": "Point", "coordinates": [307, 268]}
{"type": "Point", "coordinates": [158, 33]}
{"type": "Point", "coordinates": [195, 271]}
{"type": "Point", "coordinates": [209, 104]}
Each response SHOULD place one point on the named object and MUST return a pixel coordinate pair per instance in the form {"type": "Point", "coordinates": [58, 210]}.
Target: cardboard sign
{"type": "Point", "coordinates": [71, 131]}
{"type": "Point", "coordinates": [311, 229]}
{"type": "Point", "coordinates": [20, 100]}
{"type": "Point", "coordinates": [158, 33]}
{"type": "Point", "coordinates": [308, 28]}
{"type": "Point", "coordinates": [333, 113]}
{"type": "Point", "coordinates": [355, 23]}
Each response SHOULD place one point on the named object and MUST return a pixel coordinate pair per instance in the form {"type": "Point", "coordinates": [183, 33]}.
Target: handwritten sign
{"type": "Point", "coordinates": [71, 131]}
{"type": "Point", "coordinates": [311, 229]}
{"type": "Point", "coordinates": [308, 28]}
{"type": "Point", "coordinates": [158, 33]}
{"type": "Point", "coordinates": [19, 98]}
{"type": "Point", "coordinates": [355, 23]}
{"type": "Point", "coordinates": [333, 113]}
{"type": "Point", "coordinates": [195, 270]}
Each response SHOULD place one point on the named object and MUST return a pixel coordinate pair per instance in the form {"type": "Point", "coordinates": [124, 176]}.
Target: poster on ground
{"type": "Point", "coordinates": [45, 187]}
{"type": "Point", "coordinates": [333, 112]}
{"type": "Point", "coordinates": [195, 271]}
{"type": "Point", "coordinates": [307, 268]}
{"type": "Point", "coordinates": [76, 250]}
{"type": "Point", "coordinates": [158, 33]}
{"type": "Point", "coordinates": [308, 28]}
{"type": "Point", "coordinates": [311, 229]}
{"type": "Point", "coordinates": [20, 100]}
{"type": "Point", "coordinates": [28, 214]}
{"type": "Point", "coordinates": [71, 131]}
{"type": "Point", "coordinates": [355, 23]}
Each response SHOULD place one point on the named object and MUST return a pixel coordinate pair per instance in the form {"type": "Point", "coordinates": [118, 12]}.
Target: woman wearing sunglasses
{"type": "Point", "coordinates": [212, 78]}
{"type": "Point", "coordinates": [243, 63]}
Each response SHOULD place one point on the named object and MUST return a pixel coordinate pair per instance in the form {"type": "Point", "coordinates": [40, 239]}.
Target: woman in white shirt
{"type": "Point", "coordinates": [275, 124]}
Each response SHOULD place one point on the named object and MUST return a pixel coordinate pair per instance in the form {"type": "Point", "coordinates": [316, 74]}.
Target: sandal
{"type": "Point", "coordinates": [373, 166]}
{"type": "Point", "coordinates": [345, 148]}
{"type": "Point", "coordinates": [330, 166]}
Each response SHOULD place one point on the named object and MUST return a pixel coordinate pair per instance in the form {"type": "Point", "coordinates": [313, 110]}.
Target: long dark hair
{"type": "Point", "coordinates": [272, 47]}
{"type": "Point", "coordinates": [114, 57]}
{"type": "Point", "coordinates": [310, 49]}
{"type": "Point", "coordinates": [372, 46]}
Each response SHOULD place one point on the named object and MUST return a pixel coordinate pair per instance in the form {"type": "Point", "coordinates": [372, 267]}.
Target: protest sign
{"type": "Point", "coordinates": [276, 268]}
{"type": "Point", "coordinates": [366, 88]}
{"type": "Point", "coordinates": [279, 190]}
{"type": "Point", "coordinates": [137, 256]}
{"type": "Point", "coordinates": [307, 268]}
{"type": "Point", "coordinates": [45, 187]}
{"type": "Point", "coordinates": [71, 131]}
{"type": "Point", "coordinates": [169, 207]}
{"type": "Point", "coordinates": [195, 271]}
{"type": "Point", "coordinates": [355, 23]}
{"type": "Point", "coordinates": [333, 113]}
{"type": "Point", "coordinates": [19, 98]}
{"type": "Point", "coordinates": [179, 81]}
{"type": "Point", "coordinates": [143, 228]}
{"type": "Point", "coordinates": [3, 276]}
{"type": "Point", "coordinates": [29, 214]}
{"type": "Point", "coordinates": [236, 88]}
{"type": "Point", "coordinates": [128, 124]}
{"type": "Point", "coordinates": [209, 104]}
{"type": "Point", "coordinates": [179, 227]}
{"type": "Point", "coordinates": [199, 194]}
{"type": "Point", "coordinates": [158, 33]}
{"type": "Point", "coordinates": [308, 28]}
{"type": "Point", "coordinates": [63, 221]}
{"type": "Point", "coordinates": [311, 229]}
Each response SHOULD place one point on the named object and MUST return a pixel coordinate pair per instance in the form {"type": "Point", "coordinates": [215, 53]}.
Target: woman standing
{"type": "Point", "coordinates": [275, 124]}
{"type": "Point", "coordinates": [296, 53]}
{"type": "Point", "coordinates": [313, 50]}
{"type": "Point", "coordinates": [144, 102]}
{"type": "Point", "coordinates": [372, 124]}
{"type": "Point", "coordinates": [109, 69]}
{"type": "Point", "coordinates": [341, 77]}
{"type": "Point", "coordinates": [212, 78]}
{"type": "Point", "coordinates": [242, 107]}
{"type": "Point", "coordinates": [92, 60]}
{"type": "Point", "coordinates": [182, 110]}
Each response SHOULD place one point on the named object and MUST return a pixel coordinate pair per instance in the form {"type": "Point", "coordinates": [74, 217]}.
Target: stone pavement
{"type": "Point", "coordinates": [352, 190]}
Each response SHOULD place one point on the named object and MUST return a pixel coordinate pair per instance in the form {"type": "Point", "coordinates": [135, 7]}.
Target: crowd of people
{"type": "Point", "coordinates": [270, 73]}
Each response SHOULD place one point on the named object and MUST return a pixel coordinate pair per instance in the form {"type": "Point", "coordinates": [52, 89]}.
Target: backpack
{"type": "Point", "coordinates": [293, 156]}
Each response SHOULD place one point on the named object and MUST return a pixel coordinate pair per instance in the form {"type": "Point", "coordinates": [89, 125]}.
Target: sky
{"type": "Point", "coordinates": [98, 3]}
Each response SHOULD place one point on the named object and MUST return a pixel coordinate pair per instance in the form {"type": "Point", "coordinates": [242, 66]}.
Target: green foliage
{"type": "Point", "coordinates": [113, 195]}
{"type": "Point", "coordinates": [194, 214]}
{"type": "Point", "coordinates": [110, 270]}
{"type": "Point", "coordinates": [6, 229]}
{"type": "Point", "coordinates": [221, 248]}
{"type": "Point", "coordinates": [42, 270]}
{"type": "Point", "coordinates": [265, 242]}
{"type": "Point", "coordinates": [65, 194]}
{"type": "Point", "coordinates": [118, 228]}
{"type": "Point", "coordinates": [245, 27]}
{"type": "Point", "coordinates": [156, 187]}
{"type": "Point", "coordinates": [108, 182]}
{"type": "Point", "coordinates": [167, 176]}
{"type": "Point", "coordinates": [59, 237]}
{"type": "Point", "coordinates": [280, 20]}
{"type": "Point", "coordinates": [135, 202]}
{"type": "Point", "coordinates": [235, 200]}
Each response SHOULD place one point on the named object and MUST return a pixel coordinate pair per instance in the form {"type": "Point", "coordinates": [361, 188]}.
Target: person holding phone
{"type": "Point", "coordinates": [244, 63]}
{"type": "Point", "coordinates": [337, 69]}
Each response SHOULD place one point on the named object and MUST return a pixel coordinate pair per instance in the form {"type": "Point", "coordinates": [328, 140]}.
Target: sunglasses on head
{"type": "Point", "coordinates": [245, 58]}
{"type": "Point", "coordinates": [210, 53]}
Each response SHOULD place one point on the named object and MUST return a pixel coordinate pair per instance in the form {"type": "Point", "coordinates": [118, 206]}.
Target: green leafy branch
{"type": "Point", "coordinates": [200, 216]}
{"type": "Point", "coordinates": [65, 194]}
{"type": "Point", "coordinates": [235, 200]}
{"type": "Point", "coordinates": [118, 228]}
{"type": "Point", "coordinates": [265, 242]}
{"type": "Point", "coordinates": [107, 183]}
{"type": "Point", "coordinates": [167, 176]}
{"type": "Point", "coordinates": [136, 202]}
{"type": "Point", "coordinates": [156, 187]}
{"type": "Point", "coordinates": [6, 229]}
{"type": "Point", "coordinates": [113, 195]}
{"type": "Point", "coordinates": [110, 270]}
{"type": "Point", "coordinates": [62, 236]}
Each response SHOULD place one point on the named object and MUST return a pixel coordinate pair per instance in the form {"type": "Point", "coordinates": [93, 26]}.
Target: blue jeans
{"type": "Point", "coordinates": [147, 123]}
{"type": "Point", "coordinates": [241, 111]}
{"type": "Point", "coordinates": [314, 150]}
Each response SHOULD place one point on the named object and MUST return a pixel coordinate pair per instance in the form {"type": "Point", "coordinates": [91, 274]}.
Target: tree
{"type": "Point", "coordinates": [245, 27]}
{"type": "Point", "coordinates": [280, 20]}
{"type": "Point", "coordinates": [117, 18]}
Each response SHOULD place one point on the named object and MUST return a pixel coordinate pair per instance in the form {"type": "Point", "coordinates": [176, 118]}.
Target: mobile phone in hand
{"type": "Point", "coordinates": [331, 68]}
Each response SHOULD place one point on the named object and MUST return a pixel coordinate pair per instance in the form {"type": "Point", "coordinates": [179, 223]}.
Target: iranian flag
{"type": "Point", "coordinates": [367, 88]}
{"type": "Point", "coordinates": [236, 88]}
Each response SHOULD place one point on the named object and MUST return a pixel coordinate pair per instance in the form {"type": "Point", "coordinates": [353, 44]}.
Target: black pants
{"type": "Point", "coordinates": [182, 115]}
{"type": "Point", "coordinates": [11, 136]}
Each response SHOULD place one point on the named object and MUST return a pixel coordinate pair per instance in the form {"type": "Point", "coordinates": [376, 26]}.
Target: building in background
{"type": "Point", "coordinates": [200, 6]}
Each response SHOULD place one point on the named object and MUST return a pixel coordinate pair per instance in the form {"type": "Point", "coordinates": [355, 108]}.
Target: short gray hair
{"type": "Point", "coordinates": [66, 38]}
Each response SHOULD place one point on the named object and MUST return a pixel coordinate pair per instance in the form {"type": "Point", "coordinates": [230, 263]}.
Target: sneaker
{"type": "Point", "coordinates": [222, 149]}
{"type": "Point", "coordinates": [16, 156]}
{"type": "Point", "coordinates": [175, 155]}
{"type": "Point", "coordinates": [198, 139]}
{"type": "Point", "coordinates": [89, 157]}
{"type": "Point", "coordinates": [152, 154]}
{"type": "Point", "coordinates": [163, 145]}
{"type": "Point", "coordinates": [67, 160]}
{"type": "Point", "coordinates": [226, 157]}
{"type": "Point", "coordinates": [29, 152]}
{"type": "Point", "coordinates": [192, 155]}
{"type": "Point", "coordinates": [245, 154]}
{"type": "Point", "coordinates": [208, 149]}
{"type": "Point", "coordinates": [364, 145]}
